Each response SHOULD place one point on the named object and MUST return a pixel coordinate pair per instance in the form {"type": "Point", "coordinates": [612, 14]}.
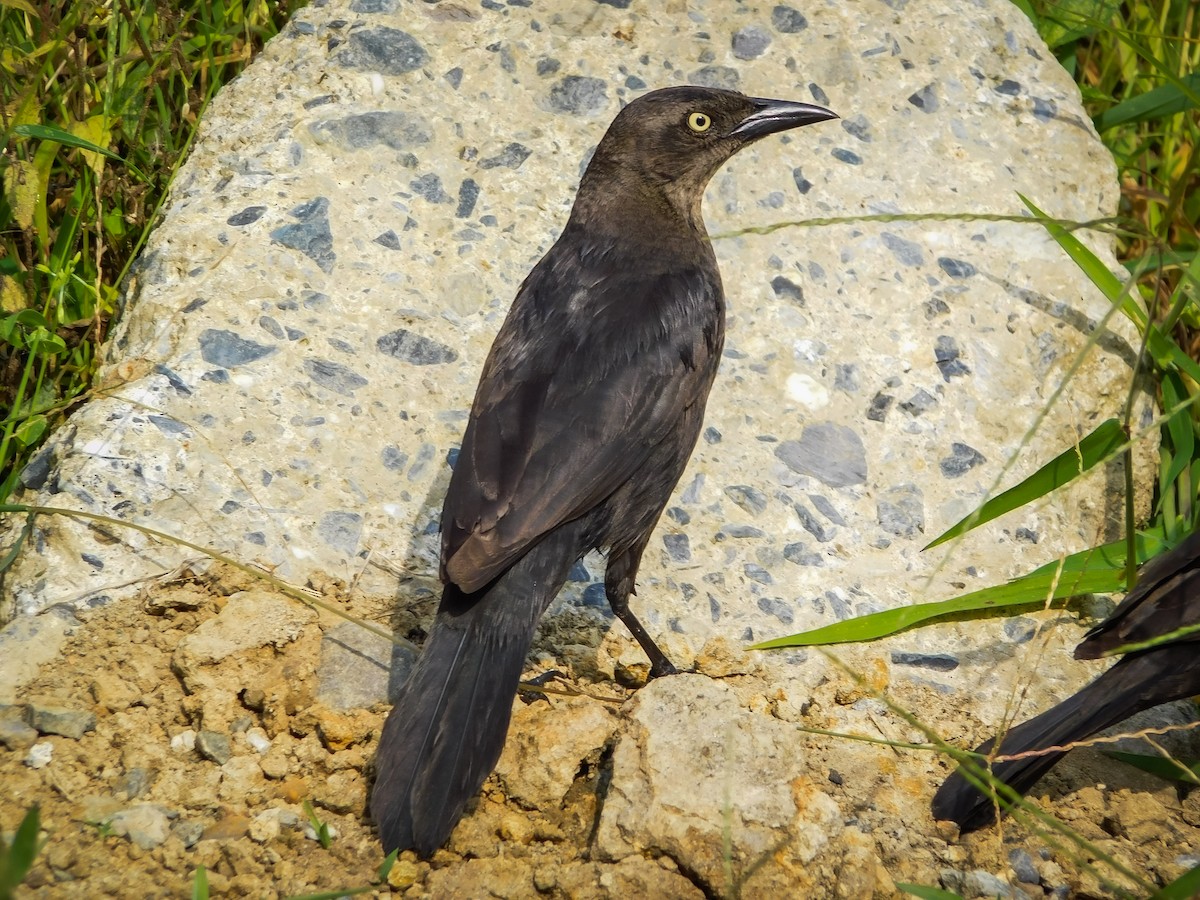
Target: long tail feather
{"type": "Point", "coordinates": [1134, 684]}
{"type": "Point", "coordinates": [447, 729]}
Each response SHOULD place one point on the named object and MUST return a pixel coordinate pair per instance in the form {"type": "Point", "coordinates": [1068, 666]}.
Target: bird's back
{"type": "Point", "coordinates": [607, 354]}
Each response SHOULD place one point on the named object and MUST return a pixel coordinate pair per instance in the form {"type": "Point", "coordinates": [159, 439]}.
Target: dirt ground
{"type": "Point", "coordinates": [191, 765]}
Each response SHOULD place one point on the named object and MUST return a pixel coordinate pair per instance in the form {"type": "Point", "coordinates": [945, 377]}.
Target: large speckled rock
{"type": "Point", "coordinates": [695, 766]}
{"type": "Point", "coordinates": [299, 344]}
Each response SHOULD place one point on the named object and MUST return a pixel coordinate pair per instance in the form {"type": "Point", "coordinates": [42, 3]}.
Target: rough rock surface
{"type": "Point", "coordinates": [673, 795]}
{"type": "Point", "coordinates": [702, 785]}
{"type": "Point", "coordinates": [288, 385]}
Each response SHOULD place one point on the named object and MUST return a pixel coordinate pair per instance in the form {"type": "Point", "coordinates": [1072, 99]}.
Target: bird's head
{"type": "Point", "coordinates": [670, 142]}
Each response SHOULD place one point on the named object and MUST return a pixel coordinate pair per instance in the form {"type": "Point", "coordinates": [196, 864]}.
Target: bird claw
{"type": "Point", "coordinates": [663, 667]}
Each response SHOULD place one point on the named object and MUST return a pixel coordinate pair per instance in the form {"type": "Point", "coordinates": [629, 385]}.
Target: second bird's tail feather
{"type": "Point", "coordinates": [1134, 684]}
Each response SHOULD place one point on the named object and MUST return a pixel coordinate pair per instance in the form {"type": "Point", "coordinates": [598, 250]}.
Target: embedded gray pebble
{"type": "Point", "coordinates": [214, 746]}
{"type": "Point", "coordinates": [69, 723]}
{"type": "Point", "coordinates": [510, 157]}
{"type": "Point", "coordinates": [228, 350]}
{"type": "Point", "coordinates": [340, 529]}
{"type": "Point", "coordinates": [388, 51]}
{"type": "Point", "coordinates": [246, 216]}
{"type": "Point", "coordinates": [396, 129]}
{"type": "Point", "coordinates": [751, 499]}
{"type": "Point", "coordinates": [787, 289]}
{"type": "Point", "coordinates": [880, 404]}
{"type": "Point", "coordinates": [16, 735]}
{"type": "Point", "coordinates": [353, 672]}
{"type": "Point", "coordinates": [750, 42]}
{"type": "Point", "coordinates": [925, 99]}
{"type": "Point", "coordinates": [812, 524]}
{"type": "Point", "coordinates": [146, 825]}
{"type": "Point", "coordinates": [857, 126]}
{"type": "Point", "coordinates": [831, 453]}
{"type": "Point", "coordinates": [757, 573]}
{"type": "Point", "coordinates": [961, 460]}
{"type": "Point", "coordinates": [802, 556]}
{"type": "Point", "coordinates": [373, 6]}
{"type": "Point", "coordinates": [1020, 629]}
{"type": "Point", "coordinates": [777, 608]}
{"type": "Point", "coordinates": [579, 95]}
{"type": "Point", "coordinates": [310, 234]}
{"type": "Point", "coordinates": [919, 403]}
{"type": "Point", "coordinates": [678, 547]}
{"type": "Point", "coordinates": [948, 358]}
{"type": "Point", "coordinates": [414, 348]}
{"type": "Point", "coordinates": [334, 376]}
{"type": "Point", "coordinates": [135, 782]}
{"type": "Point", "coordinates": [940, 662]}
{"type": "Point", "coordinates": [386, 239]}
{"type": "Point", "coordinates": [955, 268]}
{"type": "Point", "coordinates": [188, 831]}
{"type": "Point", "coordinates": [901, 510]}
{"type": "Point", "coordinates": [907, 253]}
{"type": "Point", "coordinates": [788, 20]}
{"type": "Point", "coordinates": [429, 186]}
{"type": "Point", "coordinates": [1024, 866]}
{"type": "Point", "coordinates": [827, 509]}
{"type": "Point", "coordinates": [978, 883]}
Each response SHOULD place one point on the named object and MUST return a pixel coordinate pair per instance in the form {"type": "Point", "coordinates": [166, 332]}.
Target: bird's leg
{"type": "Point", "coordinates": [618, 585]}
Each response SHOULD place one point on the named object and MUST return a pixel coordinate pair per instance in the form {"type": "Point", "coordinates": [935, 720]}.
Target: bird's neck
{"type": "Point", "coordinates": [639, 210]}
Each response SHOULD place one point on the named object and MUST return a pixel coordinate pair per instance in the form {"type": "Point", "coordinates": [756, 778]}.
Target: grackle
{"type": "Point", "coordinates": [587, 410]}
{"type": "Point", "coordinates": [1165, 601]}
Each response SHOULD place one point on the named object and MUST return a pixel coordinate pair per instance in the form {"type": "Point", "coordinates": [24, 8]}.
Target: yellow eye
{"type": "Point", "coordinates": [699, 122]}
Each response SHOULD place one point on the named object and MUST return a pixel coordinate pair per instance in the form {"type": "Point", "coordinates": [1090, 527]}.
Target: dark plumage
{"type": "Point", "coordinates": [587, 410]}
{"type": "Point", "coordinates": [1165, 599]}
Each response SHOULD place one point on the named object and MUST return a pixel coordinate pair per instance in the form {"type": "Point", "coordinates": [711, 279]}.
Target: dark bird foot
{"type": "Point", "coordinates": [662, 666]}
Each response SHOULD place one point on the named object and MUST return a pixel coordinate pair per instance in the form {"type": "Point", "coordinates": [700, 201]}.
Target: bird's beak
{"type": "Point", "coordinates": [773, 116]}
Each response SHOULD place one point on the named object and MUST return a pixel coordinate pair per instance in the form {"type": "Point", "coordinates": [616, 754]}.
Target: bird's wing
{"type": "Point", "coordinates": [578, 389]}
{"type": "Point", "coordinates": [1165, 599]}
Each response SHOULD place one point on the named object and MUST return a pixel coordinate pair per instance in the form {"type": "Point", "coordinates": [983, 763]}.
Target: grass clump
{"type": "Point", "coordinates": [99, 102]}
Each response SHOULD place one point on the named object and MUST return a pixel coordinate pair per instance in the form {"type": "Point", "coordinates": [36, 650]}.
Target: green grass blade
{"type": "Point", "coordinates": [1186, 296]}
{"type": "Point", "coordinates": [1158, 103]}
{"type": "Point", "coordinates": [1184, 887]}
{"type": "Point", "coordinates": [17, 858]}
{"type": "Point", "coordinates": [927, 893]}
{"type": "Point", "coordinates": [1107, 437]}
{"type": "Point", "coordinates": [1179, 426]}
{"type": "Point", "coordinates": [19, 543]}
{"type": "Point", "coordinates": [385, 868]}
{"type": "Point", "coordinates": [1164, 768]}
{"type": "Point", "coordinates": [1161, 259]}
{"type": "Point", "coordinates": [61, 136]}
{"type": "Point", "coordinates": [1023, 594]}
{"type": "Point", "coordinates": [1097, 273]}
{"type": "Point", "coordinates": [1098, 570]}
{"type": "Point", "coordinates": [1166, 352]}
{"type": "Point", "coordinates": [200, 884]}
{"type": "Point", "coordinates": [1107, 556]}
{"type": "Point", "coordinates": [22, 5]}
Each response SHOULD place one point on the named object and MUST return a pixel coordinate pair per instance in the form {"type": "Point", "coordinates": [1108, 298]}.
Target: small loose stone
{"type": "Point", "coordinates": [214, 746]}
{"type": "Point", "coordinates": [69, 723]}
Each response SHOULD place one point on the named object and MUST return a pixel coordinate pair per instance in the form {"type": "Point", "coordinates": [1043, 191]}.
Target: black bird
{"type": "Point", "coordinates": [587, 410]}
{"type": "Point", "coordinates": [1165, 600]}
